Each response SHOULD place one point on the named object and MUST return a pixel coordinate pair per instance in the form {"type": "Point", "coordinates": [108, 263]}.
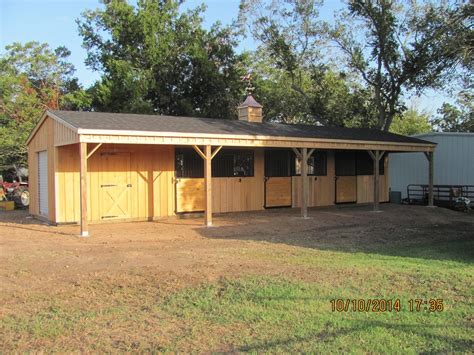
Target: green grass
{"type": "Point", "coordinates": [287, 311]}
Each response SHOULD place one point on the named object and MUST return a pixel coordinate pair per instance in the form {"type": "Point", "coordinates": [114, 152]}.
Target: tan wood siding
{"type": "Point", "coordinates": [346, 189]}
{"type": "Point", "coordinates": [365, 186]}
{"type": "Point", "coordinates": [43, 140]}
{"type": "Point", "coordinates": [321, 188]}
{"type": "Point", "coordinates": [230, 194]}
{"type": "Point", "coordinates": [64, 135]}
{"type": "Point", "coordinates": [321, 191]}
{"type": "Point", "coordinates": [151, 177]}
{"type": "Point", "coordinates": [278, 192]}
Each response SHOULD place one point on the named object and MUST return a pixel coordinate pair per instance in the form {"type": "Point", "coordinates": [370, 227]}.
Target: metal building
{"type": "Point", "coordinates": [453, 162]}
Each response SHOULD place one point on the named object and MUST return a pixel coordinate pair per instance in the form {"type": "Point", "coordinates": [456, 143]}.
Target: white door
{"type": "Point", "coordinates": [43, 183]}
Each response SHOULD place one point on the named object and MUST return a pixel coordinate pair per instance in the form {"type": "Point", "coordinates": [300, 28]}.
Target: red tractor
{"type": "Point", "coordinates": [16, 191]}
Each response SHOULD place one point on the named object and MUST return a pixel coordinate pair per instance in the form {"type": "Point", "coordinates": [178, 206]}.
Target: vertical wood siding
{"type": "Point", "coordinates": [63, 135]}
{"type": "Point", "coordinates": [229, 194]}
{"type": "Point", "coordinates": [43, 140]}
{"type": "Point", "coordinates": [151, 177]}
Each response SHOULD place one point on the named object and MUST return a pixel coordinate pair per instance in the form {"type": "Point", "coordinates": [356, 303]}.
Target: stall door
{"type": "Point", "coordinates": [346, 179]}
{"type": "Point", "coordinates": [277, 192]}
{"type": "Point", "coordinates": [190, 195]}
{"type": "Point", "coordinates": [115, 186]}
{"type": "Point", "coordinates": [43, 183]}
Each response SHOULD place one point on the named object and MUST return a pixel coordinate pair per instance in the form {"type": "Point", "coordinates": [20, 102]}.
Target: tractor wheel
{"type": "Point", "coordinates": [21, 196]}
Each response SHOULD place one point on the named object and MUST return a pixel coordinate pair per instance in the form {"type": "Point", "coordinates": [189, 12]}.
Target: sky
{"type": "Point", "coordinates": [53, 21]}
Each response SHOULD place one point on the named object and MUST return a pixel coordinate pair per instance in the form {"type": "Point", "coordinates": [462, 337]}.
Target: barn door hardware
{"type": "Point", "coordinates": [107, 185]}
{"type": "Point", "coordinates": [129, 185]}
{"type": "Point", "coordinates": [105, 217]}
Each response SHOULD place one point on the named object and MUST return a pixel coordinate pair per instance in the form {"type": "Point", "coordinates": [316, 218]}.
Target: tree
{"type": "Point", "coordinates": [392, 48]}
{"type": "Point", "coordinates": [458, 118]}
{"type": "Point", "coordinates": [291, 82]}
{"type": "Point", "coordinates": [33, 78]}
{"type": "Point", "coordinates": [403, 48]}
{"type": "Point", "coordinates": [155, 59]}
{"type": "Point", "coordinates": [329, 97]}
{"type": "Point", "coordinates": [411, 122]}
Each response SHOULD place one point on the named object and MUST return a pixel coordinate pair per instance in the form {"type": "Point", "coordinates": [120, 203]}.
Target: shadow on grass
{"type": "Point", "coordinates": [404, 231]}
{"type": "Point", "coordinates": [450, 344]}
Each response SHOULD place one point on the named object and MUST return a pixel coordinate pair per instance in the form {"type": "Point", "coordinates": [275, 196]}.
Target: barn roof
{"type": "Point", "coordinates": [101, 121]}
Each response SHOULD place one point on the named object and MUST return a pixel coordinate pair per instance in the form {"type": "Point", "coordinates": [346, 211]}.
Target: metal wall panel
{"type": "Point", "coordinates": [453, 163]}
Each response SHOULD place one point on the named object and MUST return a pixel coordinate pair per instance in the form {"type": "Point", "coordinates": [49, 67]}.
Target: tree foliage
{"type": "Point", "coordinates": [156, 59]}
{"type": "Point", "coordinates": [329, 97]}
{"type": "Point", "coordinates": [456, 118]}
{"type": "Point", "coordinates": [393, 47]}
{"type": "Point", "coordinates": [33, 78]}
{"type": "Point", "coordinates": [411, 122]}
{"type": "Point", "coordinates": [403, 48]}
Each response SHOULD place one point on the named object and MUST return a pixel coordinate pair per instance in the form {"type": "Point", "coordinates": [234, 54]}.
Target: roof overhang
{"type": "Point", "coordinates": [178, 138]}
{"type": "Point", "coordinates": [175, 138]}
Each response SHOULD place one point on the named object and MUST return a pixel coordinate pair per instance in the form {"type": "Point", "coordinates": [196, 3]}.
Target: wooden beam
{"type": "Point", "coordinates": [199, 151]}
{"type": "Point", "coordinates": [430, 178]}
{"type": "Point", "coordinates": [83, 188]}
{"type": "Point", "coordinates": [250, 141]}
{"type": "Point", "coordinates": [215, 152]}
{"type": "Point", "coordinates": [376, 155]}
{"type": "Point", "coordinates": [311, 152]}
{"type": "Point", "coordinates": [304, 182]}
{"type": "Point", "coordinates": [297, 153]}
{"type": "Point", "coordinates": [94, 150]}
{"type": "Point", "coordinates": [376, 180]}
{"type": "Point", "coordinates": [372, 155]}
{"type": "Point", "coordinates": [208, 186]}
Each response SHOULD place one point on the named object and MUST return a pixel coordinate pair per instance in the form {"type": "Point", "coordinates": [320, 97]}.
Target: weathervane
{"type": "Point", "coordinates": [248, 79]}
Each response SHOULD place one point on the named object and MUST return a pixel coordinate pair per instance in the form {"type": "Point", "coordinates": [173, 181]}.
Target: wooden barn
{"type": "Point", "coordinates": [97, 167]}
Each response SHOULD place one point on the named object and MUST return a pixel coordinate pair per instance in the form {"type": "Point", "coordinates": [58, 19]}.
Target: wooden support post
{"type": "Point", "coordinates": [304, 182]}
{"type": "Point", "coordinates": [376, 156]}
{"type": "Point", "coordinates": [207, 156]}
{"type": "Point", "coordinates": [376, 181]}
{"type": "Point", "coordinates": [208, 185]}
{"type": "Point", "coordinates": [430, 157]}
{"type": "Point", "coordinates": [83, 188]}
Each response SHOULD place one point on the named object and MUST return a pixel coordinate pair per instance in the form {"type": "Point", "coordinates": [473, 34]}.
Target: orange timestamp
{"type": "Point", "coordinates": [386, 305]}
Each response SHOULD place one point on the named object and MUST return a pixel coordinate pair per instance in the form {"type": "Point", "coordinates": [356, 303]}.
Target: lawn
{"type": "Point", "coordinates": [255, 293]}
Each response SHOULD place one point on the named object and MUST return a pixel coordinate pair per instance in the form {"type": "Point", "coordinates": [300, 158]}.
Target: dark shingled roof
{"type": "Point", "coordinates": [157, 123]}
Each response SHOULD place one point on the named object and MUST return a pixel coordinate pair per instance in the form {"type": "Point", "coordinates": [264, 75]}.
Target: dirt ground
{"type": "Point", "coordinates": [113, 291]}
{"type": "Point", "coordinates": [38, 256]}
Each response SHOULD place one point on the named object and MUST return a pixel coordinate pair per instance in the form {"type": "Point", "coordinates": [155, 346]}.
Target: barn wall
{"type": "Point", "coordinates": [365, 186]}
{"type": "Point", "coordinates": [64, 135]}
{"type": "Point", "coordinates": [41, 141]}
{"type": "Point", "coordinates": [321, 188]}
{"type": "Point", "coordinates": [151, 178]}
{"type": "Point", "coordinates": [453, 162]}
{"type": "Point", "coordinates": [230, 194]}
